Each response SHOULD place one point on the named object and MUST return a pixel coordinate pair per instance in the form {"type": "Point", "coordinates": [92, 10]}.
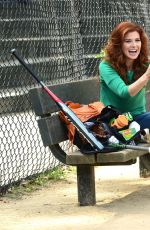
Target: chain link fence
{"type": "Point", "coordinates": [60, 40]}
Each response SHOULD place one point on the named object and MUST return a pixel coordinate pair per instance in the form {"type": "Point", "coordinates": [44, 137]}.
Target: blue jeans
{"type": "Point", "coordinates": [143, 120]}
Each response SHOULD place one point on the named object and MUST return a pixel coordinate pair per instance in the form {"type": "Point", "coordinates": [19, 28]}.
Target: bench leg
{"type": "Point", "coordinates": [86, 185]}
{"type": "Point", "coordinates": [144, 164]}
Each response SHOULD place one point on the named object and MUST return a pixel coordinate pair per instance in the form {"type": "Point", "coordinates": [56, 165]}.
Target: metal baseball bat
{"type": "Point", "coordinates": [63, 107]}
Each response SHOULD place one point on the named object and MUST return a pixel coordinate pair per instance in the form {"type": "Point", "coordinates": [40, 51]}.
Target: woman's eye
{"type": "Point", "coordinates": [127, 40]}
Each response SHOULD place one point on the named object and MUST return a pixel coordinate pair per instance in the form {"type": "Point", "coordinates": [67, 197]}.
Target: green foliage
{"type": "Point", "coordinates": [101, 54]}
{"type": "Point", "coordinates": [38, 181]}
{"type": "Point", "coordinates": [57, 173]}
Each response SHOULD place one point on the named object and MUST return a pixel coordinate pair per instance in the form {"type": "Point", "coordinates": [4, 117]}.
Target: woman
{"type": "Point", "coordinates": [124, 72]}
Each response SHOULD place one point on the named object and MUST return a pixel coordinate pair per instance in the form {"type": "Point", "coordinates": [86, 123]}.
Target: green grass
{"type": "Point", "coordinates": [38, 181]}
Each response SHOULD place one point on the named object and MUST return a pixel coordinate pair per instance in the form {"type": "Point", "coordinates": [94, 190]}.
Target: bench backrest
{"type": "Point", "coordinates": [51, 128]}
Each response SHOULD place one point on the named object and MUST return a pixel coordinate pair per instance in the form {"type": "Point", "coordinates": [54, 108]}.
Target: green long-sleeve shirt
{"type": "Point", "coordinates": [113, 91]}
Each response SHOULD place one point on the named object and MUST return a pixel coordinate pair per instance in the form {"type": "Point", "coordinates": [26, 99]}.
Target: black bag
{"type": "Point", "coordinates": [101, 129]}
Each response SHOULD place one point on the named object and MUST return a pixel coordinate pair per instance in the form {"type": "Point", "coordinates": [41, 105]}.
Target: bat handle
{"type": "Point", "coordinates": [14, 52]}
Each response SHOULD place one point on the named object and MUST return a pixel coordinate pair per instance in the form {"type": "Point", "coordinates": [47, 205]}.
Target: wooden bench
{"type": "Point", "coordinates": [54, 135]}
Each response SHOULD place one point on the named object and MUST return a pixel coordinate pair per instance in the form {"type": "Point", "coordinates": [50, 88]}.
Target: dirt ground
{"type": "Point", "coordinates": [122, 203]}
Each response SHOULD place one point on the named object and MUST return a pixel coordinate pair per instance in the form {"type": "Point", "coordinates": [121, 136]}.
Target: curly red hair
{"type": "Point", "coordinates": [115, 56]}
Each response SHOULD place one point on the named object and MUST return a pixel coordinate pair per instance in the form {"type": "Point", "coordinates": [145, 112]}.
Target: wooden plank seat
{"type": "Point", "coordinates": [54, 134]}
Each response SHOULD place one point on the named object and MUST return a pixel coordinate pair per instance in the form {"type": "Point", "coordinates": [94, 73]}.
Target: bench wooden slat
{"type": "Point", "coordinates": [120, 156]}
{"type": "Point", "coordinates": [126, 155]}
{"type": "Point", "coordinates": [52, 130]}
{"type": "Point", "coordinates": [83, 92]}
{"type": "Point", "coordinates": [77, 158]}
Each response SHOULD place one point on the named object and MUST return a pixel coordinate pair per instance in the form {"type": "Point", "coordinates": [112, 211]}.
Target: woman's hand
{"type": "Point", "coordinates": [146, 75]}
{"type": "Point", "coordinates": [135, 87]}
